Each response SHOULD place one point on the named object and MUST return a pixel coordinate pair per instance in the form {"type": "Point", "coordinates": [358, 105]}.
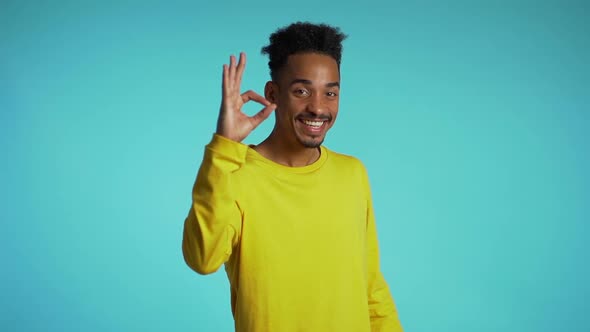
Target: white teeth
{"type": "Point", "coordinates": [313, 123]}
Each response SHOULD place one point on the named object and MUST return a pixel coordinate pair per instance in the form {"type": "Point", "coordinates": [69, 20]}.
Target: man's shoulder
{"type": "Point", "coordinates": [345, 160]}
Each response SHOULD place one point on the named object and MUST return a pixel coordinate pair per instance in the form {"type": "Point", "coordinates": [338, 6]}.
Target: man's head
{"type": "Point", "coordinates": [305, 71]}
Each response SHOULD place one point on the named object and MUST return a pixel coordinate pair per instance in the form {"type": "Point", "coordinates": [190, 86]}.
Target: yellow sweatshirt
{"type": "Point", "coordinates": [299, 244]}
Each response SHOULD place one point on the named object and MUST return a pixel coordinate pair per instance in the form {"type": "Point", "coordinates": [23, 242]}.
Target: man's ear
{"type": "Point", "coordinates": [271, 92]}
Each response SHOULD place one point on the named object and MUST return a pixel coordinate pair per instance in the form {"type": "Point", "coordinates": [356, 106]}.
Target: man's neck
{"type": "Point", "coordinates": [281, 152]}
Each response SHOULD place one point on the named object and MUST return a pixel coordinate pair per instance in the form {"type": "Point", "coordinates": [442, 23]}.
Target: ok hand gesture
{"type": "Point", "coordinates": [232, 122]}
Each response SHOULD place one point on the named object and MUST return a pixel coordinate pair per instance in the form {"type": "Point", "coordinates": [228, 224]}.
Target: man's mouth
{"type": "Point", "coordinates": [314, 126]}
{"type": "Point", "coordinates": [314, 123]}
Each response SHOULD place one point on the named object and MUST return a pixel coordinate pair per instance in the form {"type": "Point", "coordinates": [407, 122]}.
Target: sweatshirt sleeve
{"type": "Point", "coordinates": [382, 310]}
{"type": "Point", "coordinates": [212, 227]}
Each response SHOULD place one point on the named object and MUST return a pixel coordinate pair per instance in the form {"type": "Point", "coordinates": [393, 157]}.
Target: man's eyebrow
{"type": "Point", "coordinates": [300, 80]}
{"type": "Point", "coordinates": [308, 82]}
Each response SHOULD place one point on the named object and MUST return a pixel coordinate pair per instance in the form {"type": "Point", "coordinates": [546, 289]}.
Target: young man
{"type": "Point", "coordinates": [291, 220]}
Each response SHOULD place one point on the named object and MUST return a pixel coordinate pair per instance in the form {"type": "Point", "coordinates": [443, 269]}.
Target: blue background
{"type": "Point", "coordinates": [471, 117]}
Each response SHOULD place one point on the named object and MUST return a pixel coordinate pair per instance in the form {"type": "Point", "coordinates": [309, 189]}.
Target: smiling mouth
{"type": "Point", "coordinates": [314, 127]}
{"type": "Point", "coordinates": [313, 123]}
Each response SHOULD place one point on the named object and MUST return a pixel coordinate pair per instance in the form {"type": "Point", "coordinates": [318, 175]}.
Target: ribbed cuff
{"type": "Point", "coordinates": [231, 149]}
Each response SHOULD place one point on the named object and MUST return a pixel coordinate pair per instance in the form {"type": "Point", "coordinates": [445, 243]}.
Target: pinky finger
{"type": "Point", "coordinates": [224, 78]}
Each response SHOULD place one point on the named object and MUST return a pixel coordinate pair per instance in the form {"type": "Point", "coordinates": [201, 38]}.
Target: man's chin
{"type": "Point", "coordinates": [312, 143]}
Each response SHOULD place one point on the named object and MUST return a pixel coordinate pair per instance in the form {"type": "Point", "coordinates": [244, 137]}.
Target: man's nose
{"type": "Point", "coordinates": [316, 104]}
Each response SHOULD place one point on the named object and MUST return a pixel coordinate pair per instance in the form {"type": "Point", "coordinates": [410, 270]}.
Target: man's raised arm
{"type": "Point", "coordinates": [212, 227]}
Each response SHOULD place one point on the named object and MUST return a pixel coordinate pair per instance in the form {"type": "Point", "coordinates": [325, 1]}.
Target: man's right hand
{"type": "Point", "coordinates": [232, 122]}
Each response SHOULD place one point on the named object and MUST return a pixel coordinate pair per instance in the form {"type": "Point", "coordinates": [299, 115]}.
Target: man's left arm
{"type": "Point", "coordinates": [382, 310]}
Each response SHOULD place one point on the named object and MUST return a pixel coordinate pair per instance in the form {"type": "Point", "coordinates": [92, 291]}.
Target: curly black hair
{"type": "Point", "coordinates": [302, 37]}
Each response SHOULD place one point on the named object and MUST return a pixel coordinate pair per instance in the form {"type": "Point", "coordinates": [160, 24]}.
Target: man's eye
{"type": "Point", "coordinates": [301, 92]}
{"type": "Point", "coordinates": [332, 94]}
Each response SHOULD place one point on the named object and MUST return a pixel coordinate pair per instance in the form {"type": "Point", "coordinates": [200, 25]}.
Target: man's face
{"type": "Point", "coordinates": [307, 95]}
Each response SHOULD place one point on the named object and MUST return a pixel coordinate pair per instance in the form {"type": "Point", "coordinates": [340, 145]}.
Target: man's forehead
{"type": "Point", "coordinates": [311, 67]}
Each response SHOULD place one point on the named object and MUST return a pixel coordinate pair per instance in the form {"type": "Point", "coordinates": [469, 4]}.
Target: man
{"type": "Point", "coordinates": [291, 220]}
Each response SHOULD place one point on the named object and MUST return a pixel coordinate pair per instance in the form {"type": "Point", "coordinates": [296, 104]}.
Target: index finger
{"type": "Point", "coordinates": [251, 95]}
